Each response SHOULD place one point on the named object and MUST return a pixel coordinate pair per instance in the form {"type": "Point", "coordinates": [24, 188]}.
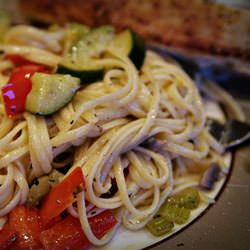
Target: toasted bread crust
{"type": "Point", "coordinates": [195, 24]}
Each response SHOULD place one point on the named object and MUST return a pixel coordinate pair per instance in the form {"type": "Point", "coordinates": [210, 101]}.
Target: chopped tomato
{"type": "Point", "coordinates": [52, 222]}
{"type": "Point", "coordinates": [18, 60]}
{"type": "Point", "coordinates": [26, 223]}
{"type": "Point", "coordinates": [61, 196]}
{"type": "Point", "coordinates": [68, 234]}
{"type": "Point", "coordinates": [102, 223]}
{"type": "Point", "coordinates": [7, 237]}
{"type": "Point", "coordinates": [19, 85]}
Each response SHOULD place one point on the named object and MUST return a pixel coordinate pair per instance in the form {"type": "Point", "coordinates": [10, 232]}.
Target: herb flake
{"type": "Point", "coordinates": [13, 239]}
{"type": "Point", "coordinates": [36, 182]}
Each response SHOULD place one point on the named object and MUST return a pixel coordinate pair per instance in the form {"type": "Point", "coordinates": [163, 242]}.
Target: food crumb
{"type": "Point", "coordinates": [180, 244]}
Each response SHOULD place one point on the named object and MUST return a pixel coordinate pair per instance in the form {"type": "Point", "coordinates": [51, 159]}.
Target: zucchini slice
{"type": "Point", "coordinates": [92, 44]}
{"type": "Point", "coordinates": [87, 74]}
{"type": "Point", "coordinates": [77, 30]}
{"type": "Point", "coordinates": [80, 60]}
{"type": "Point", "coordinates": [74, 31]}
{"type": "Point", "coordinates": [50, 92]}
{"type": "Point", "coordinates": [132, 45]}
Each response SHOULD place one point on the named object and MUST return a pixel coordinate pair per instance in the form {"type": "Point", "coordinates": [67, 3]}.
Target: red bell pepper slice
{"type": "Point", "coordinates": [19, 85]}
{"type": "Point", "coordinates": [25, 222]}
{"type": "Point", "coordinates": [68, 234]}
{"type": "Point", "coordinates": [61, 196]}
{"type": "Point", "coordinates": [7, 237]}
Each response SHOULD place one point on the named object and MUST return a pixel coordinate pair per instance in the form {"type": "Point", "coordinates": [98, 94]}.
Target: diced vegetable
{"type": "Point", "coordinates": [55, 177]}
{"type": "Point", "coordinates": [26, 223]}
{"type": "Point", "coordinates": [188, 198]}
{"type": "Point", "coordinates": [68, 234]}
{"type": "Point", "coordinates": [50, 93]}
{"type": "Point", "coordinates": [91, 44]}
{"type": "Point", "coordinates": [102, 223]}
{"type": "Point", "coordinates": [78, 70]}
{"type": "Point", "coordinates": [38, 190]}
{"type": "Point", "coordinates": [7, 237]}
{"type": "Point", "coordinates": [174, 213]}
{"type": "Point", "coordinates": [19, 85]}
{"type": "Point", "coordinates": [159, 226]}
{"type": "Point", "coordinates": [132, 45]}
{"type": "Point", "coordinates": [61, 196]}
{"type": "Point", "coordinates": [53, 222]}
{"type": "Point", "coordinates": [41, 187]}
{"type": "Point", "coordinates": [80, 61]}
{"type": "Point", "coordinates": [176, 209]}
{"type": "Point", "coordinates": [74, 31]}
{"type": "Point", "coordinates": [77, 30]}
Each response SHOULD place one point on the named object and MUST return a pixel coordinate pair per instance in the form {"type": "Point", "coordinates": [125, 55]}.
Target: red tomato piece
{"type": "Point", "coordinates": [61, 196]}
{"type": "Point", "coordinates": [68, 234]}
{"type": "Point", "coordinates": [102, 223]}
{"type": "Point", "coordinates": [26, 222]}
{"type": "Point", "coordinates": [18, 60]}
{"type": "Point", "coordinates": [52, 222]}
{"type": "Point", "coordinates": [19, 85]}
{"type": "Point", "coordinates": [7, 237]}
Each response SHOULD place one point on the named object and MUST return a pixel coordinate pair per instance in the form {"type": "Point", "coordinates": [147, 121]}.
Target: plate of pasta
{"type": "Point", "coordinates": [101, 141]}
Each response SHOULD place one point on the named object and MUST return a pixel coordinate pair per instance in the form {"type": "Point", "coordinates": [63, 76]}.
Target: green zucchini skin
{"type": "Point", "coordinates": [131, 45]}
{"type": "Point", "coordinates": [138, 51]}
{"type": "Point", "coordinates": [86, 76]}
